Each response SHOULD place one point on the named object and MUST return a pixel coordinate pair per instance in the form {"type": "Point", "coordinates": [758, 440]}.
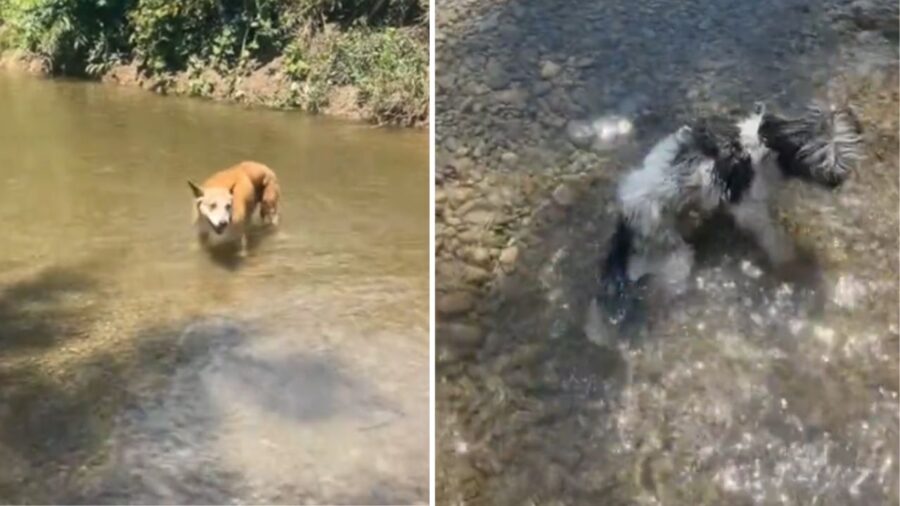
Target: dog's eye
{"type": "Point", "coordinates": [228, 207]}
{"type": "Point", "coordinates": [212, 206]}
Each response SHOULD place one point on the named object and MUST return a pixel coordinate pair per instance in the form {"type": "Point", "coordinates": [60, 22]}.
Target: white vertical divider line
{"type": "Point", "coordinates": [432, 356]}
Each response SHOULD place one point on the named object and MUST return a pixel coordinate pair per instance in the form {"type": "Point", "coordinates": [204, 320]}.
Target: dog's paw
{"type": "Point", "coordinates": [598, 329]}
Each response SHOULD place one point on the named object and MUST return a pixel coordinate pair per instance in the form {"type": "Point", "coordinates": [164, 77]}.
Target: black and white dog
{"type": "Point", "coordinates": [715, 164]}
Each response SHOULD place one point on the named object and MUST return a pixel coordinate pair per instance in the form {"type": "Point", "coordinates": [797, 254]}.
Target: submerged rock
{"type": "Point", "coordinates": [580, 133]}
{"type": "Point", "coordinates": [564, 195]}
{"type": "Point", "coordinates": [508, 257]}
{"type": "Point", "coordinates": [454, 303]}
{"type": "Point", "coordinates": [549, 70]}
{"type": "Point", "coordinates": [459, 334]}
{"type": "Point", "coordinates": [848, 292]}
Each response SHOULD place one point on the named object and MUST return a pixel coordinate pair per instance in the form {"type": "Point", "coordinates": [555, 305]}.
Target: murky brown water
{"type": "Point", "coordinates": [134, 369]}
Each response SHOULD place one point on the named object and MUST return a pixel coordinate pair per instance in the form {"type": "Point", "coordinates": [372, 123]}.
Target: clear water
{"type": "Point", "coordinates": [752, 388]}
{"type": "Point", "coordinates": [133, 368]}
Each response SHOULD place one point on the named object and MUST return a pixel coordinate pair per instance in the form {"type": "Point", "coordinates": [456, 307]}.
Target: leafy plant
{"type": "Point", "coordinates": [71, 34]}
{"type": "Point", "coordinates": [375, 46]}
{"type": "Point", "coordinates": [388, 67]}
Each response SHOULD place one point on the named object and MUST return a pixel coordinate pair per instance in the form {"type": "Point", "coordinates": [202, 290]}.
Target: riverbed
{"type": "Point", "coordinates": [134, 368]}
{"type": "Point", "coordinates": [753, 388]}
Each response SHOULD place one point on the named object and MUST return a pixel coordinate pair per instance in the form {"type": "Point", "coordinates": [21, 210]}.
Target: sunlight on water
{"type": "Point", "coordinates": [135, 369]}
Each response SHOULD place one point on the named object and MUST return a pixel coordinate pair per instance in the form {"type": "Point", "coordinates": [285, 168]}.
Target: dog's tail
{"type": "Point", "coordinates": [617, 307]}
{"type": "Point", "coordinates": [824, 144]}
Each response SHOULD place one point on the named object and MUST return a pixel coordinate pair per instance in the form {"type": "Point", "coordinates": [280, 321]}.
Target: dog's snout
{"type": "Point", "coordinates": [218, 226]}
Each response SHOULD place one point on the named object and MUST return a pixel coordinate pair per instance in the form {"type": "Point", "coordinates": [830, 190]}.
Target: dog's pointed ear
{"type": "Point", "coordinates": [759, 108]}
{"type": "Point", "coordinates": [198, 192]}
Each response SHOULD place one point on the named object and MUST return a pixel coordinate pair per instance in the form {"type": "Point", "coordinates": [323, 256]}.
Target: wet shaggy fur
{"type": "Point", "coordinates": [717, 164]}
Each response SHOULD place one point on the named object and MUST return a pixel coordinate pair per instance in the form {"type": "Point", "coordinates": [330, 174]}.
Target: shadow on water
{"type": "Point", "coordinates": [274, 384]}
{"type": "Point", "coordinates": [142, 422]}
{"type": "Point", "coordinates": [53, 420]}
{"type": "Point", "coordinates": [49, 422]}
{"type": "Point", "coordinates": [43, 310]}
{"type": "Point", "coordinates": [226, 257]}
{"type": "Point", "coordinates": [169, 440]}
{"type": "Point", "coordinates": [133, 467]}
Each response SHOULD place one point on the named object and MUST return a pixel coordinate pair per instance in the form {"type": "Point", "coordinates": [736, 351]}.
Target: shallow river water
{"type": "Point", "coordinates": [751, 389]}
{"type": "Point", "coordinates": [133, 368]}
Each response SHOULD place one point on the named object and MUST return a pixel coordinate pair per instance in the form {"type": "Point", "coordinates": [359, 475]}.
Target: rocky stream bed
{"type": "Point", "coordinates": [751, 389]}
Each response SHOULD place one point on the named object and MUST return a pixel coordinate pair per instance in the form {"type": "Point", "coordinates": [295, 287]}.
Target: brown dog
{"type": "Point", "coordinates": [226, 201]}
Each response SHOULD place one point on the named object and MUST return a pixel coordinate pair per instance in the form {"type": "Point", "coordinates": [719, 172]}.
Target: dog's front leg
{"type": "Point", "coordinates": [754, 217]}
{"type": "Point", "coordinates": [242, 251]}
{"type": "Point", "coordinates": [666, 256]}
{"type": "Point", "coordinates": [677, 267]}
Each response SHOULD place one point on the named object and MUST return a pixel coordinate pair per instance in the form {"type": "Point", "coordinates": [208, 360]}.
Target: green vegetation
{"type": "Point", "coordinates": [388, 68]}
{"type": "Point", "coordinates": [377, 48]}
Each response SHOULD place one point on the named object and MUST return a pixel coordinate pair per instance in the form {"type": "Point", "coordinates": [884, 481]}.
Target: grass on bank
{"type": "Point", "coordinates": [378, 47]}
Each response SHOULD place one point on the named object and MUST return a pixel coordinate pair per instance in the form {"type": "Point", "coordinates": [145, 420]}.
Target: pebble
{"type": "Point", "coordinates": [541, 88]}
{"type": "Point", "coordinates": [458, 196]}
{"type": "Point", "coordinates": [445, 82]}
{"type": "Point", "coordinates": [440, 196]}
{"type": "Point", "coordinates": [475, 275]}
{"type": "Point", "coordinates": [497, 199]}
{"type": "Point", "coordinates": [509, 158]}
{"type": "Point", "coordinates": [564, 195]}
{"type": "Point", "coordinates": [580, 133]}
{"type": "Point", "coordinates": [549, 70]}
{"type": "Point", "coordinates": [480, 256]}
{"type": "Point", "coordinates": [508, 257]}
{"type": "Point", "coordinates": [488, 23]}
{"type": "Point", "coordinates": [848, 291]}
{"type": "Point", "coordinates": [462, 165]}
{"type": "Point", "coordinates": [459, 334]}
{"type": "Point", "coordinates": [481, 217]}
{"type": "Point", "coordinates": [825, 335]}
{"type": "Point", "coordinates": [454, 303]}
{"type": "Point", "coordinates": [750, 270]}
{"type": "Point", "coordinates": [495, 76]}
{"type": "Point", "coordinates": [512, 96]}
{"type": "Point", "coordinates": [471, 236]}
